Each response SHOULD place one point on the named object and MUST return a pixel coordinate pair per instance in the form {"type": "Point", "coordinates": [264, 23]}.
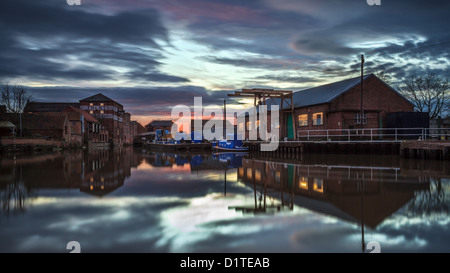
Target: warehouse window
{"type": "Point", "coordinates": [303, 120]}
{"type": "Point", "coordinates": [318, 118]}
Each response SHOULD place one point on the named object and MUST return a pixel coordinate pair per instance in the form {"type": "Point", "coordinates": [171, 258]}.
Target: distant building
{"type": "Point", "coordinates": [159, 124]}
{"type": "Point", "coordinates": [85, 128]}
{"type": "Point", "coordinates": [112, 116]}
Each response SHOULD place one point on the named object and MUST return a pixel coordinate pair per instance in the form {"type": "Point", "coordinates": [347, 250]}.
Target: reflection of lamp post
{"type": "Point", "coordinates": [362, 105]}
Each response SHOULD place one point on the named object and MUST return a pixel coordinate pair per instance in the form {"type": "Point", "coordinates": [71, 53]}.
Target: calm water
{"type": "Point", "coordinates": [138, 201]}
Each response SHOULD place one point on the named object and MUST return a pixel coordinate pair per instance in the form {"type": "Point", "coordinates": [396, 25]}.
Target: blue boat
{"type": "Point", "coordinates": [229, 145]}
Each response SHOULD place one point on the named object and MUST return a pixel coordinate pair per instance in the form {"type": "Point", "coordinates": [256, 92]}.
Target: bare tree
{"type": "Point", "coordinates": [14, 97]}
{"type": "Point", "coordinates": [429, 93]}
{"type": "Point", "coordinates": [383, 76]}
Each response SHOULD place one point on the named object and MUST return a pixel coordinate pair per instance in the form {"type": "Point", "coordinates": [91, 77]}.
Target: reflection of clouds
{"type": "Point", "coordinates": [107, 225]}
{"type": "Point", "coordinates": [184, 226]}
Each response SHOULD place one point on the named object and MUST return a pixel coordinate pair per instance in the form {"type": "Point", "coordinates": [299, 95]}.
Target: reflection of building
{"type": "Point", "coordinates": [98, 173]}
{"type": "Point", "coordinates": [352, 193]}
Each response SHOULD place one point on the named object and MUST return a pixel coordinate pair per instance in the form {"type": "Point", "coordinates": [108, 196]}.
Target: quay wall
{"type": "Point", "coordinates": [435, 150]}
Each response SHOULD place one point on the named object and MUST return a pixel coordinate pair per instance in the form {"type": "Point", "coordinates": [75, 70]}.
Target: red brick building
{"type": "Point", "coordinates": [337, 106]}
{"type": "Point", "coordinates": [50, 125]}
{"type": "Point", "coordinates": [85, 128]}
{"type": "Point", "coordinates": [112, 116]}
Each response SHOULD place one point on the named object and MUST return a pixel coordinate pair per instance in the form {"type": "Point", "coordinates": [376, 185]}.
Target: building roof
{"type": "Point", "coordinates": [99, 98]}
{"type": "Point", "coordinates": [327, 93]}
{"type": "Point", "coordinates": [161, 123]}
{"type": "Point", "coordinates": [48, 106]}
{"type": "Point", "coordinates": [86, 115]}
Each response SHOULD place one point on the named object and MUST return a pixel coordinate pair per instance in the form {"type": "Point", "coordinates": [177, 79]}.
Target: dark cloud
{"type": "Point", "coordinates": [52, 41]}
{"type": "Point", "coordinates": [139, 101]}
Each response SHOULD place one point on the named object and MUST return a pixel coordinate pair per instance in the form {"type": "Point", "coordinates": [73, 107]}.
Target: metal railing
{"type": "Point", "coordinates": [374, 134]}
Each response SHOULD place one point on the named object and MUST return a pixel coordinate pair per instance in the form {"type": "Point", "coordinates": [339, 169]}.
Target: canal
{"type": "Point", "coordinates": [133, 200]}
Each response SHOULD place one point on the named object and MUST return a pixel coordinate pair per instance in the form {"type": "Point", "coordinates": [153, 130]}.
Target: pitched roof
{"type": "Point", "coordinates": [86, 115]}
{"type": "Point", "coordinates": [99, 98]}
{"type": "Point", "coordinates": [48, 106]}
{"type": "Point", "coordinates": [161, 123]}
{"type": "Point", "coordinates": [327, 93]}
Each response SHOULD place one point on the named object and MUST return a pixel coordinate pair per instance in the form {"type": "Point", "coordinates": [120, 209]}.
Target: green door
{"type": "Point", "coordinates": [290, 127]}
{"type": "Point", "coordinates": [290, 180]}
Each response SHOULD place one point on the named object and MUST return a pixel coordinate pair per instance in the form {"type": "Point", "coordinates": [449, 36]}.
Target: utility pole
{"type": "Point", "coordinates": [362, 100]}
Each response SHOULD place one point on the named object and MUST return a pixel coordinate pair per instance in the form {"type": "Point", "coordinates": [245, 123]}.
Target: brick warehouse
{"type": "Point", "coordinates": [96, 120]}
{"type": "Point", "coordinates": [112, 116]}
{"type": "Point", "coordinates": [337, 106]}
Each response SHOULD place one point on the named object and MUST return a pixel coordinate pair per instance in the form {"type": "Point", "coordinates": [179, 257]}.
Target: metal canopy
{"type": "Point", "coordinates": [261, 95]}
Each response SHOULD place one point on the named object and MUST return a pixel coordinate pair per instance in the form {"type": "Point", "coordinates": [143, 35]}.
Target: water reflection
{"type": "Point", "coordinates": [98, 173]}
{"type": "Point", "coordinates": [139, 201]}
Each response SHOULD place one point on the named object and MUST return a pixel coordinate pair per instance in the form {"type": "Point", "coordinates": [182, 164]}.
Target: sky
{"type": "Point", "coordinates": [150, 55]}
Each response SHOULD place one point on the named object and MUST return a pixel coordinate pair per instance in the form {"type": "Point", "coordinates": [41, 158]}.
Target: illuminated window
{"type": "Point", "coordinates": [303, 120]}
{"type": "Point", "coordinates": [277, 177]}
{"type": "Point", "coordinates": [91, 112]}
{"type": "Point", "coordinates": [317, 118]}
{"type": "Point", "coordinates": [101, 112]}
{"type": "Point", "coordinates": [318, 185]}
{"type": "Point", "coordinates": [91, 104]}
{"type": "Point", "coordinates": [101, 104]}
{"type": "Point", "coordinates": [276, 125]}
{"type": "Point", "coordinates": [249, 125]}
{"type": "Point", "coordinates": [303, 183]}
{"type": "Point", "coordinates": [257, 175]}
{"type": "Point", "coordinates": [257, 124]}
{"type": "Point", "coordinates": [241, 127]}
{"type": "Point", "coordinates": [249, 173]}
{"type": "Point", "coordinates": [241, 172]}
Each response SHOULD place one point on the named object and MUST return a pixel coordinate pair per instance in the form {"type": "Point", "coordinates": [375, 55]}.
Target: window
{"type": "Point", "coordinates": [249, 173]}
{"type": "Point", "coordinates": [318, 185]}
{"type": "Point", "coordinates": [91, 104]}
{"type": "Point", "coordinates": [303, 183]}
{"type": "Point", "coordinates": [241, 127]}
{"type": "Point", "coordinates": [249, 125]}
{"type": "Point", "coordinates": [257, 175]}
{"type": "Point", "coordinates": [102, 112]}
{"type": "Point", "coordinates": [303, 120]}
{"type": "Point", "coordinates": [101, 104]}
{"type": "Point", "coordinates": [358, 118]}
{"type": "Point", "coordinates": [257, 124]}
{"type": "Point", "coordinates": [241, 171]}
{"type": "Point", "coordinates": [91, 112]}
{"type": "Point", "coordinates": [317, 118]}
